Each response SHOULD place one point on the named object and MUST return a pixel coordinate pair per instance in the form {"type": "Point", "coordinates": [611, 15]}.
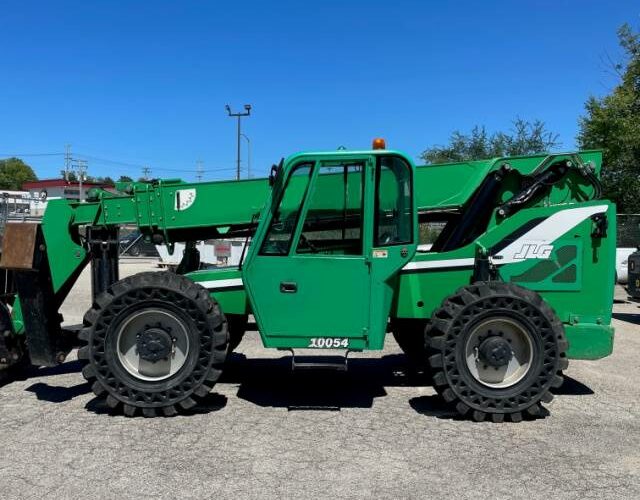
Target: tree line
{"type": "Point", "coordinates": [14, 172]}
{"type": "Point", "coordinates": [610, 123]}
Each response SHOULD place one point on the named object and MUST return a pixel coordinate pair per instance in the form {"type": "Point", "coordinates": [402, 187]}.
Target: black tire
{"type": "Point", "coordinates": [237, 328]}
{"type": "Point", "coordinates": [456, 323]}
{"type": "Point", "coordinates": [199, 320]}
{"type": "Point", "coordinates": [134, 251]}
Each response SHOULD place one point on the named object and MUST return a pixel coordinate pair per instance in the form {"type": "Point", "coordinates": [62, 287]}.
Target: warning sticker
{"type": "Point", "coordinates": [185, 198]}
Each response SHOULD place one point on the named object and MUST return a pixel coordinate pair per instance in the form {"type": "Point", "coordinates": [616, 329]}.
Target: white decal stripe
{"type": "Point", "coordinates": [214, 284]}
{"type": "Point", "coordinates": [436, 264]}
{"type": "Point", "coordinates": [548, 231]}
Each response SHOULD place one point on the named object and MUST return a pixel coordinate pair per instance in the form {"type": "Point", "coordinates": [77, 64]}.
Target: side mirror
{"type": "Point", "coordinates": [275, 170]}
{"type": "Point", "coordinates": [272, 175]}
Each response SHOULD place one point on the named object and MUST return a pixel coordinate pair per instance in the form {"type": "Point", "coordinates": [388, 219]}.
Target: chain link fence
{"type": "Point", "coordinates": [628, 230]}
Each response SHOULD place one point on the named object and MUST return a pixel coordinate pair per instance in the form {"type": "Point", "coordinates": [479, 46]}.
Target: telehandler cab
{"type": "Point", "coordinates": [518, 278]}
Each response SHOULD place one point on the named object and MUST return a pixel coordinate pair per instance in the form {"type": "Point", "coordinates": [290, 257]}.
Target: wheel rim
{"type": "Point", "coordinates": [499, 352]}
{"type": "Point", "coordinates": [153, 344]}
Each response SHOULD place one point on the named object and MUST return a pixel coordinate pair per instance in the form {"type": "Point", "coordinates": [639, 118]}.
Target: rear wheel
{"type": "Point", "coordinates": [156, 343]}
{"type": "Point", "coordinates": [496, 350]}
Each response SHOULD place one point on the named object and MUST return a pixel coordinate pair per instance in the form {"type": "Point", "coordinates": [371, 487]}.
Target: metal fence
{"type": "Point", "coordinates": [20, 207]}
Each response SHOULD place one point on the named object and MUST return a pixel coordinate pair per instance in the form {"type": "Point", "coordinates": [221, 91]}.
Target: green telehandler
{"type": "Point", "coordinates": [517, 277]}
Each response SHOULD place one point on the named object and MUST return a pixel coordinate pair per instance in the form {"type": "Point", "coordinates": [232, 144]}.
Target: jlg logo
{"type": "Point", "coordinates": [533, 251]}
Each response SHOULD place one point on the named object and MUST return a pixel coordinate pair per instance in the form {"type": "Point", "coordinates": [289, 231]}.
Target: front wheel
{"type": "Point", "coordinates": [156, 343]}
{"type": "Point", "coordinates": [496, 350]}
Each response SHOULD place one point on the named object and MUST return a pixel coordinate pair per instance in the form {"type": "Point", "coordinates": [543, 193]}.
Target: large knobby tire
{"type": "Point", "coordinates": [495, 351]}
{"type": "Point", "coordinates": [156, 342]}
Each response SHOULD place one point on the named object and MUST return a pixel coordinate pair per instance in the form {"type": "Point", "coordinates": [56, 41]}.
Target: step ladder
{"type": "Point", "coordinates": [324, 361]}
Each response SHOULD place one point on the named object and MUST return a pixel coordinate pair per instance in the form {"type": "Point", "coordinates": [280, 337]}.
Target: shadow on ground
{"type": "Point", "coordinates": [24, 372]}
{"type": "Point", "coordinates": [211, 403]}
{"type": "Point", "coordinates": [57, 394]}
{"type": "Point", "coordinates": [572, 387]}
{"type": "Point", "coordinates": [270, 382]}
{"type": "Point", "coordinates": [435, 406]}
{"type": "Point", "coordinates": [633, 318]}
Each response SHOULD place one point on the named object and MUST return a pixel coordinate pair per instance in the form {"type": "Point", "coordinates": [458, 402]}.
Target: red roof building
{"type": "Point", "coordinates": [60, 188]}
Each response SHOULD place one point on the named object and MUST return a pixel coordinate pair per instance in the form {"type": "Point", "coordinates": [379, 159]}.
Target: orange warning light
{"type": "Point", "coordinates": [378, 143]}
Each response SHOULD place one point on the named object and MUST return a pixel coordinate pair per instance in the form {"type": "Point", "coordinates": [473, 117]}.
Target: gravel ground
{"type": "Point", "coordinates": [267, 433]}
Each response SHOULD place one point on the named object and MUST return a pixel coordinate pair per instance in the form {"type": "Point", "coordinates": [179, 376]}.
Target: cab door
{"type": "Point", "coordinates": [323, 268]}
{"type": "Point", "coordinates": [308, 274]}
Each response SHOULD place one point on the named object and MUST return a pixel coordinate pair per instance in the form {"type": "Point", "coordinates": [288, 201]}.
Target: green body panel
{"type": "Point", "coordinates": [232, 299]}
{"type": "Point", "coordinates": [589, 341]}
{"type": "Point", "coordinates": [319, 308]}
{"type": "Point", "coordinates": [64, 249]}
{"type": "Point", "coordinates": [17, 318]}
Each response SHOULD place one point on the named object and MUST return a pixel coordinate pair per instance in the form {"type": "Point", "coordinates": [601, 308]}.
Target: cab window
{"type": "Point", "coordinates": [394, 213]}
{"type": "Point", "coordinates": [285, 218]}
{"type": "Point", "coordinates": [333, 222]}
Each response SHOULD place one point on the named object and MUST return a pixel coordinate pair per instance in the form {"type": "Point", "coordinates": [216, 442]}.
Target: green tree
{"type": "Point", "coordinates": [524, 138]}
{"type": "Point", "coordinates": [612, 123]}
{"type": "Point", "coordinates": [70, 176]}
{"type": "Point", "coordinates": [14, 173]}
{"type": "Point", "coordinates": [107, 181]}
{"type": "Point", "coordinates": [125, 178]}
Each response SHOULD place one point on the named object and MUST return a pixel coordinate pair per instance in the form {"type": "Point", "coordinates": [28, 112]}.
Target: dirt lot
{"type": "Point", "coordinates": [267, 433]}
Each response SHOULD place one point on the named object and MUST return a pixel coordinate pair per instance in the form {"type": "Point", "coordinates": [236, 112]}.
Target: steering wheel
{"type": "Point", "coordinates": [306, 241]}
{"type": "Point", "coordinates": [386, 238]}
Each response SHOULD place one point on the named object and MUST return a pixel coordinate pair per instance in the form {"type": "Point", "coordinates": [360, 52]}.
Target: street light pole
{"type": "Point", "coordinates": [81, 168]}
{"type": "Point", "coordinates": [239, 115]}
{"type": "Point", "coordinates": [248, 156]}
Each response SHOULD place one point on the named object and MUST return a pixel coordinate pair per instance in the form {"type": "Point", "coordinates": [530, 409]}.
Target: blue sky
{"type": "Point", "coordinates": [145, 82]}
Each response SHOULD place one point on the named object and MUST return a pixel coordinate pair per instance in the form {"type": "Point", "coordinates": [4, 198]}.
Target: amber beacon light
{"type": "Point", "coordinates": [378, 143]}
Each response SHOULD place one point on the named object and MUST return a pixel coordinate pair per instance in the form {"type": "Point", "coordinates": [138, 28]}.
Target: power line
{"type": "Point", "coordinates": [95, 159]}
{"type": "Point", "coordinates": [199, 171]}
{"type": "Point", "coordinates": [7, 155]}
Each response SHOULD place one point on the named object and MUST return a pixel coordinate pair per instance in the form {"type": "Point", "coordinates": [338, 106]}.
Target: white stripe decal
{"type": "Point", "coordinates": [545, 234]}
{"type": "Point", "coordinates": [436, 264]}
{"type": "Point", "coordinates": [221, 283]}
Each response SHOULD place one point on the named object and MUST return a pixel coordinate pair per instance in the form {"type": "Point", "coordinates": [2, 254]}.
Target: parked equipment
{"type": "Point", "coordinates": [519, 279]}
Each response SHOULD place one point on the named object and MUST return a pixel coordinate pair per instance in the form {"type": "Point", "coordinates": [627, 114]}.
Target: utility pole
{"type": "Point", "coordinates": [239, 115]}
{"type": "Point", "coordinates": [81, 168]}
{"type": "Point", "coordinates": [199, 171]}
{"type": "Point", "coordinates": [145, 172]}
{"type": "Point", "coordinates": [67, 161]}
{"type": "Point", "coordinates": [248, 156]}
